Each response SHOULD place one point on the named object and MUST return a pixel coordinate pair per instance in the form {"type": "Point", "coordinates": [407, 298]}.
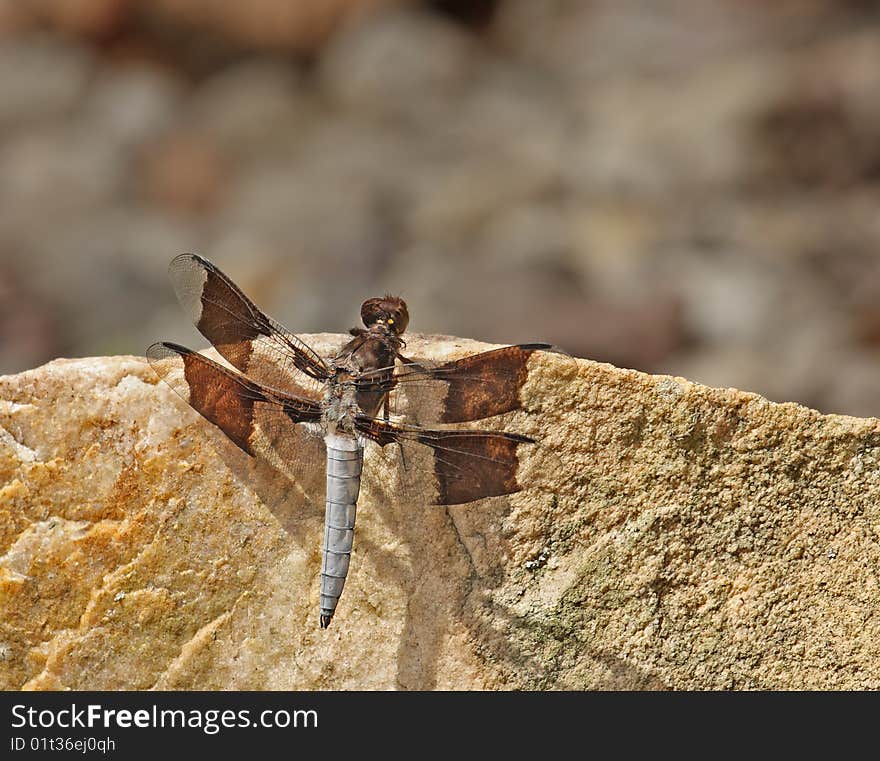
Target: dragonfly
{"type": "Point", "coordinates": [275, 382]}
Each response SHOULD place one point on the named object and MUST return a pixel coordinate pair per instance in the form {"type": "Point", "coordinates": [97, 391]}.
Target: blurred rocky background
{"type": "Point", "coordinates": [677, 186]}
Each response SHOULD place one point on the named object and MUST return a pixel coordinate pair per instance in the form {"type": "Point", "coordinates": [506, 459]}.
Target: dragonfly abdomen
{"type": "Point", "coordinates": [344, 462]}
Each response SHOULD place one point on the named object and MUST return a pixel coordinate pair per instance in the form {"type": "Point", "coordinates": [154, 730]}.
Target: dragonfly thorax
{"type": "Point", "coordinates": [340, 403]}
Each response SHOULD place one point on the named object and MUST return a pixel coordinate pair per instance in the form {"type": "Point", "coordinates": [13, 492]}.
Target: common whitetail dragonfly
{"type": "Point", "coordinates": [280, 381]}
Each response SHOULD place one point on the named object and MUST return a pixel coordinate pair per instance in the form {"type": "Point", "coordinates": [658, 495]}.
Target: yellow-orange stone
{"type": "Point", "coordinates": [674, 536]}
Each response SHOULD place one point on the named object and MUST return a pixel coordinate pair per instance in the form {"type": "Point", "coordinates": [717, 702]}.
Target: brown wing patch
{"type": "Point", "coordinates": [228, 403]}
{"type": "Point", "coordinates": [225, 398]}
{"type": "Point", "coordinates": [473, 466]}
{"type": "Point", "coordinates": [247, 338]}
{"type": "Point", "coordinates": [467, 465]}
{"type": "Point", "coordinates": [225, 323]}
{"type": "Point", "coordinates": [473, 388]}
{"type": "Point", "coordinates": [485, 384]}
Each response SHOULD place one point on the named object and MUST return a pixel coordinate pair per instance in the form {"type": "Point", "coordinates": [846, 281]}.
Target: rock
{"type": "Point", "coordinates": [680, 537]}
{"type": "Point", "coordinates": [184, 172]}
{"type": "Point", "coordinates": [40, 79]}
{"type": "Point", "coordinates": [123, 245]}
{"type": "Point", "coordinates": [821, 130]}
{"type": "Point", "coordinates": [88, 18]}
{"type": "Point", "coordinates": [56, 173]}
{"type": "Point", "coordinates": [132, 103]}
{"type": "Point", "coordinates": [253, 108]}
{"type": "Point", "coordinates": [316, 218]}
{"type": "Point", "coordinates": [274, 24]}
{"type": "Point", "coordinates": [13, 20]}
{"type": "Point", "coordinates": [380, 64]}
{"type": "Point", "coordinates": [26, 327]}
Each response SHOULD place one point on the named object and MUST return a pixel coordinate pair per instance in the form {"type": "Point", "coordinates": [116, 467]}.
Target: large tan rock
{"type": "Point", "coordinates": [677, 536]}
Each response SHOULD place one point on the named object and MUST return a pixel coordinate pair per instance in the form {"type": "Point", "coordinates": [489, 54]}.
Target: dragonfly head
{"type": "Point", "coordinates": [388, 312]}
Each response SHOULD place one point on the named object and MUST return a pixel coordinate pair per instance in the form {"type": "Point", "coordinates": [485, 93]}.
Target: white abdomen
{"type": "Point", "coordinates": [344, 461]}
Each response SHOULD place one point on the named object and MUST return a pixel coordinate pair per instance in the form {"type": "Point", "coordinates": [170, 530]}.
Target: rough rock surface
{"type": "Point", "coordinates": [678, 536]}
